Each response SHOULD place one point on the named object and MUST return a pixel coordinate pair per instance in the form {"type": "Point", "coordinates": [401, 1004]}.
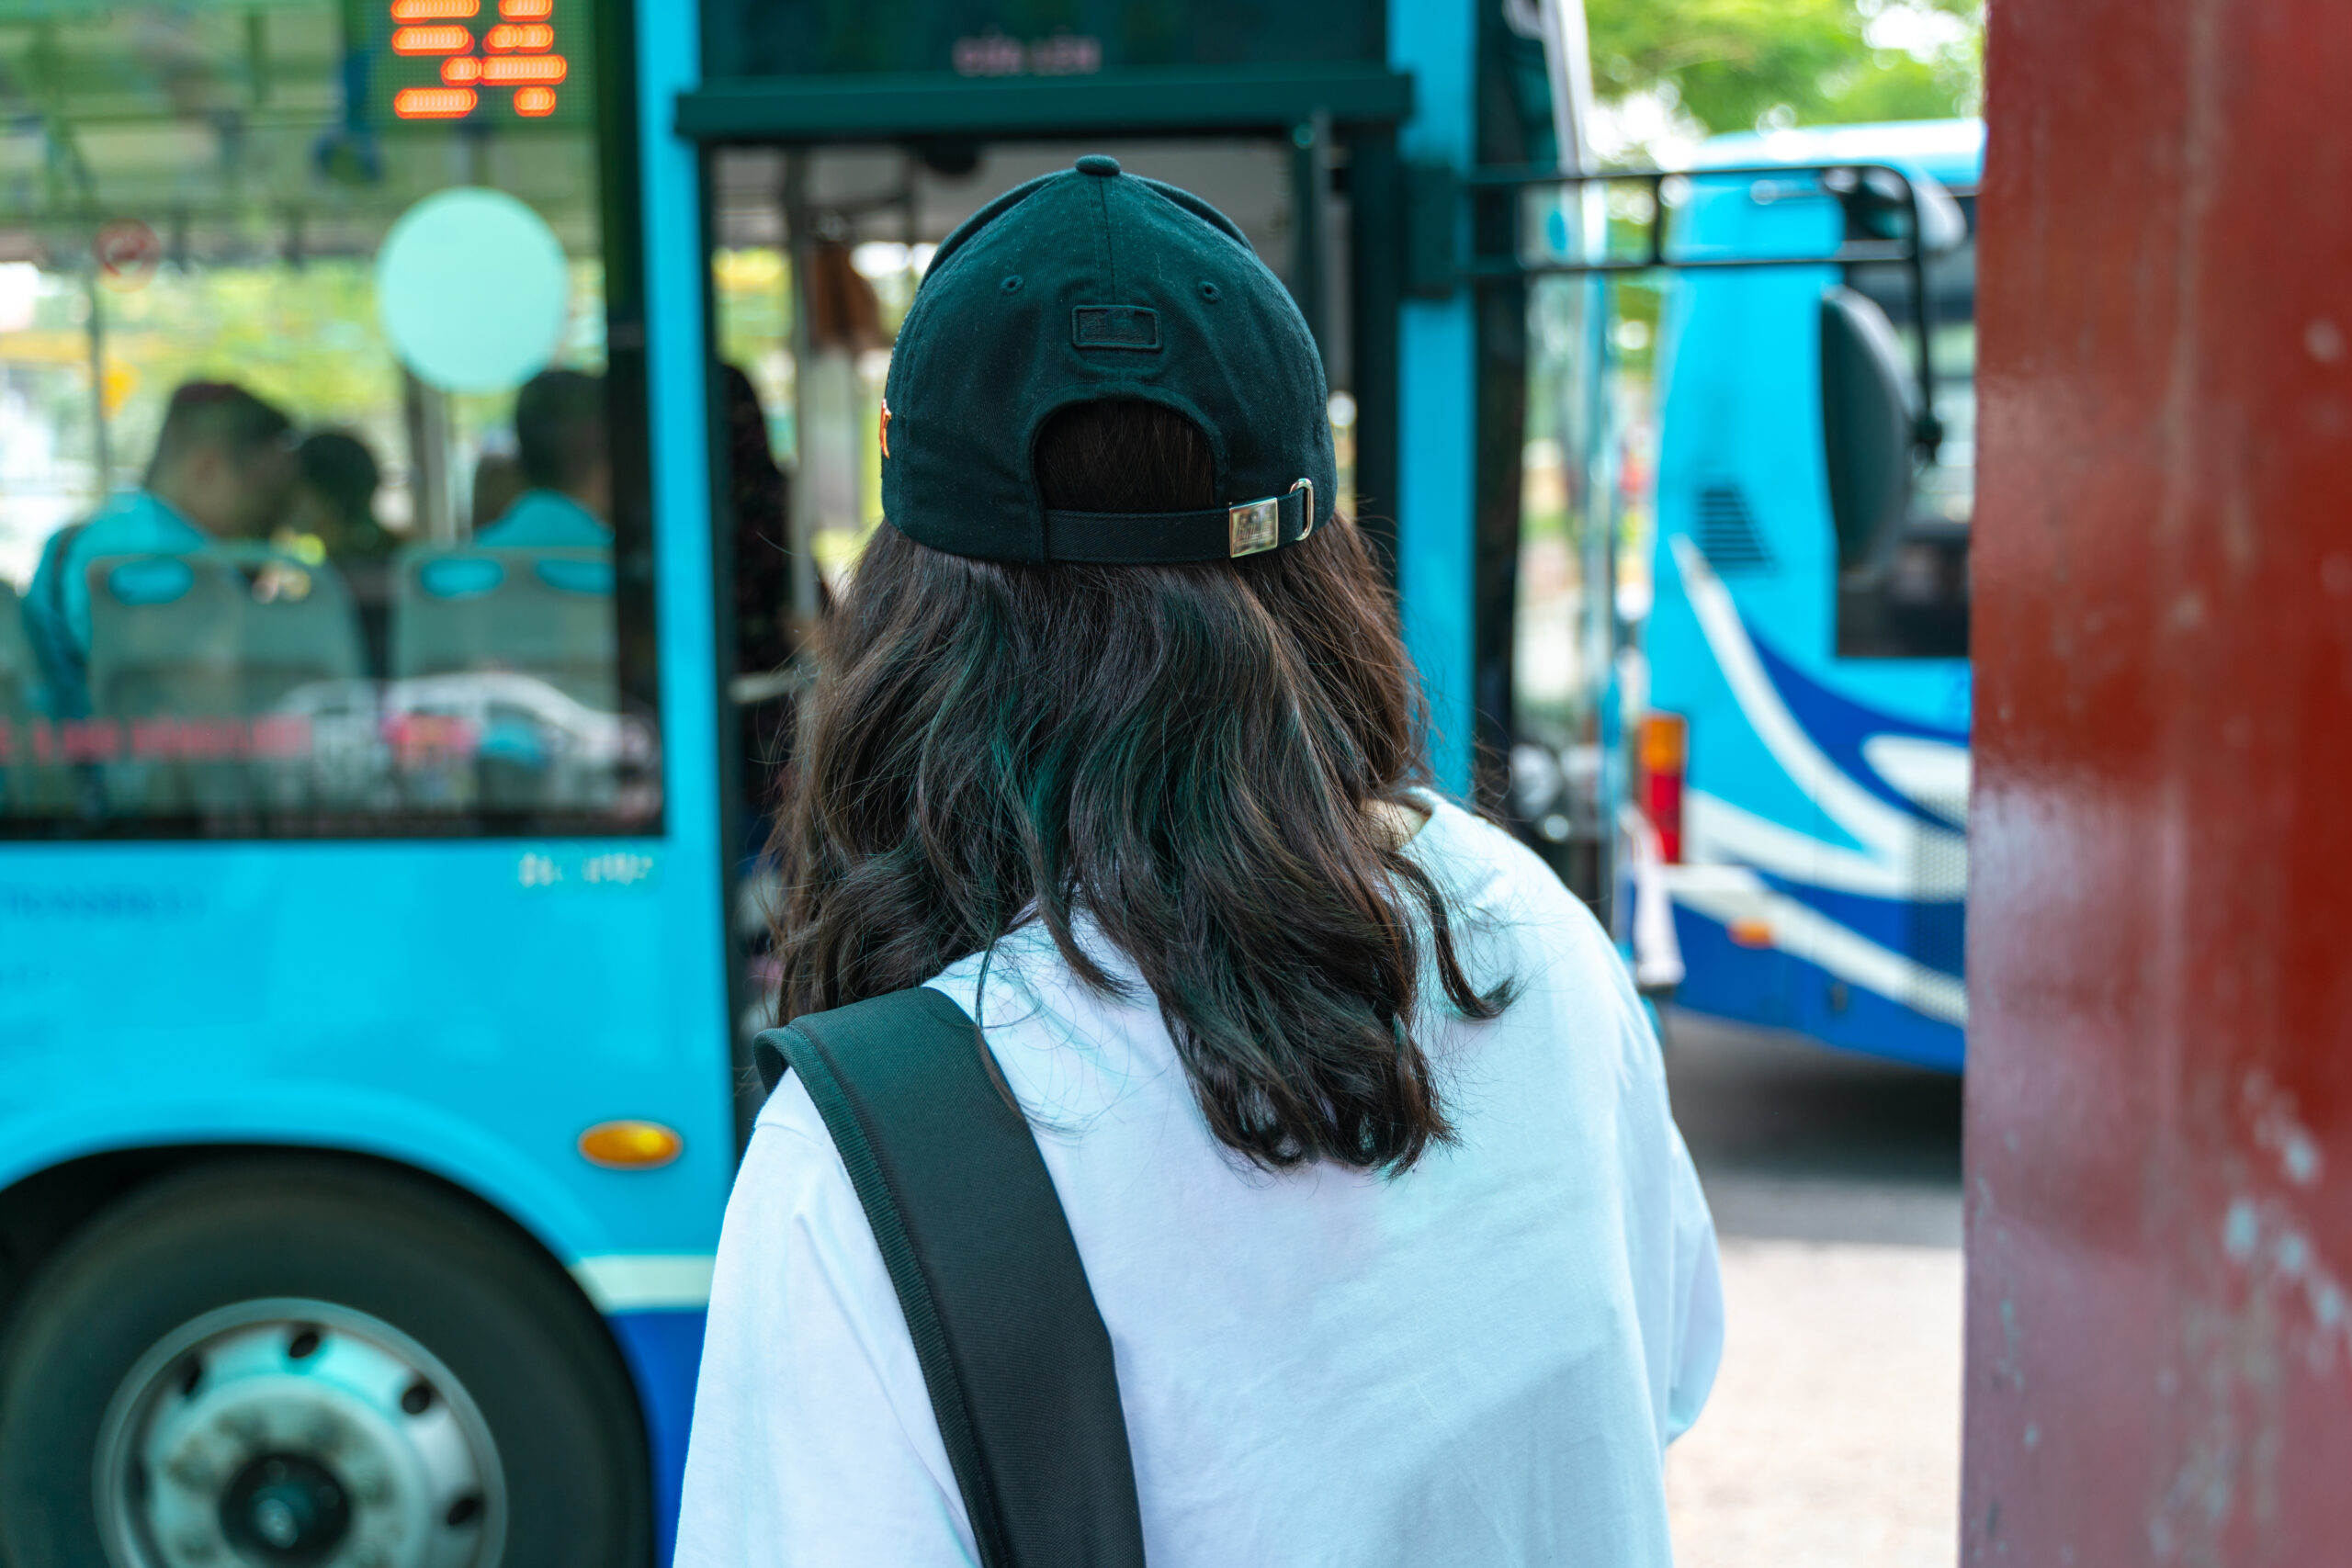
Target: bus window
{"type": "Point", "coordinates": [1912, 602]}
{"type": "Point", "coordinates": [1572, 506]}
{"type": "Point", "coordinates": [320, 512]}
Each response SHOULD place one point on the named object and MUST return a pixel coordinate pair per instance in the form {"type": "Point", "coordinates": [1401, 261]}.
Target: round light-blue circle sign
{"type": "Point", "coordinates": [472, 288]}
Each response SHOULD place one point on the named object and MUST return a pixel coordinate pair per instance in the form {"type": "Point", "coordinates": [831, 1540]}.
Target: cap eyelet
{"type": "Point", "coordinates": [1210, 291]}
{"type": "Point", "coordinates": [1011, 285]}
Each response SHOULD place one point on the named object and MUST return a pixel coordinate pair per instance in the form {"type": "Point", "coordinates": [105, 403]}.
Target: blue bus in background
{"type": "Point", "coordinates": [1804, 757]}
{"type": "Point", "coordinates": [427, 429]}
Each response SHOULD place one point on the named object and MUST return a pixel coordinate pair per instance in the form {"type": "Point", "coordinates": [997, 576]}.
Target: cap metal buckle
{"type": "Point", "coordinates": [1257, 525]}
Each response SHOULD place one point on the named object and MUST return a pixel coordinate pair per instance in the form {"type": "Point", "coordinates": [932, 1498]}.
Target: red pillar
{"type": "Point", "coordinates": [2160, 967]}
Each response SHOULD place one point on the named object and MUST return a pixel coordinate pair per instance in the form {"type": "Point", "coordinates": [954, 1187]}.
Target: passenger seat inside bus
{"type": "Point", "coordinates": [546, 612]}
{"type": "Point", "coordinates": [224, 633]}
{"type": "Point", "coordinates": [18, 672]}
{"type": "Point", "coordinates": [514, 649]}
{"type": "Point", "coordinates": [27, 787]}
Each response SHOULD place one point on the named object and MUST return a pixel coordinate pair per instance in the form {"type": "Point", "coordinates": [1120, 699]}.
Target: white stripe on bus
{"type": "Point", "coordinates": [646, 1281]}
{"type": "Point", "coordinates": [1728, 893]}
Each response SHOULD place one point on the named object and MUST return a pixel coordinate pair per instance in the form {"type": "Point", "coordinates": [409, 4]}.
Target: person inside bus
{"type": "Point", "coordinates": [222, 469]}
{"type": "Point", "coordinates": [331, 517]}
{"type": "Point", "coordinates": [331, 514]}
{"type": "Point", "coordinates": [559, 441]}
{"type": "Point", "coordinates": [1357, 1122]}
{"type": "Point", "coordinates": [768, 629]}
{"type": "Point", "coordinates": [498, 483]}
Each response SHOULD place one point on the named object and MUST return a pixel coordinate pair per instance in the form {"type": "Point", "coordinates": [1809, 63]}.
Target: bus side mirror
{"type": "Point", "coordinates": [1868, 424]}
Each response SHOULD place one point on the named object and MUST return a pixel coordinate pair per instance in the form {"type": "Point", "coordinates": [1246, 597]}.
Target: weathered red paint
{"type": "Point", "coordinates": [2160, 1088]}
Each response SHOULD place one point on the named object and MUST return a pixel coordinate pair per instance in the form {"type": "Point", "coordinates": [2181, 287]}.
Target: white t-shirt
{"type": "Point", "coordinates": [1478, 1362]}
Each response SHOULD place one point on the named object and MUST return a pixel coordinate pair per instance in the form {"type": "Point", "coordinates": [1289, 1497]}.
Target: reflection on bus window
{"type": "Point", "coordinates": [565, 463]}
{"type": "Point", "coordinates": [1915, 602]}
{"type": "Point", "coordinates": [306, 480]}
{"type": "Point", "coordinates": [1559, 626]}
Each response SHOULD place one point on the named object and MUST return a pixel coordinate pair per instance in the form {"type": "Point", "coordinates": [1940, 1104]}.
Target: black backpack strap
{"type": "Point", "coordinates": [1013, 1352]}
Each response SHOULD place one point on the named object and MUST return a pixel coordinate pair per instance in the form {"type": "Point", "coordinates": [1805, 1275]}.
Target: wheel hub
{"type": "Point", "coordinates": [285, 1508]}
{"type": "Point", "coordinates": [287, 1433]}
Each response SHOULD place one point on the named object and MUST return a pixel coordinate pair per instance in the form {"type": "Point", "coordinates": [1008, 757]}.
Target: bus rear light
{"type": "Point", "coordinates": [1751, 933]}
{"type": "Point", "coordinates": [1664, 748]}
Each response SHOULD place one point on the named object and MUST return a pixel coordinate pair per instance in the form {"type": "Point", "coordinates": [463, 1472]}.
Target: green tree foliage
{"type": "Point", "coordinates": [1737, 64]}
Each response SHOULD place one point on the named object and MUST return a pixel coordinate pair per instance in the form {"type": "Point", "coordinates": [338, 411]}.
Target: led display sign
{"type": "Point", "coordinates": [481, 61]}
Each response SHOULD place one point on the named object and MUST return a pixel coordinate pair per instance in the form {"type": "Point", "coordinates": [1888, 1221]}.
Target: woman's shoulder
{"type": "Point", "coordinates": [1494, 886]}
{"type": "Point", "coordinates": [1487, 869]}
{"type": "Point", "coordinates": [1519, 919]}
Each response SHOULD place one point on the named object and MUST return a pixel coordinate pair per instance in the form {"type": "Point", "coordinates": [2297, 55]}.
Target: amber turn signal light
{"type": "Point", "coordinates": [630, 1145]}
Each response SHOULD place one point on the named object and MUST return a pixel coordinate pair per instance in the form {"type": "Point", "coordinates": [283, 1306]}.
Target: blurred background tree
{"type": "Point", "coordinates": [1709, 66]}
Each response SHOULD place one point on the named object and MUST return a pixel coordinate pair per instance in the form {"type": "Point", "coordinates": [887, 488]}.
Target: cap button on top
{"type": "Point", "coordinates": [1098, 164]}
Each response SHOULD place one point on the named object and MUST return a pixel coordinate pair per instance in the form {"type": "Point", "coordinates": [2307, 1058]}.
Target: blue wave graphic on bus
{"type": "Point", "coordinates": [1844, 731]}
{"type": "Point", "coordinates": [1882, 912]}
{"type": "Point", "coordinates": [1931, 931]}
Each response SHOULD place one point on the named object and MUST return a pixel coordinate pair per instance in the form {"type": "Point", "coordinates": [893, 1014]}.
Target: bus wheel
{"type": "Point", "coordinates": [305, 1363]}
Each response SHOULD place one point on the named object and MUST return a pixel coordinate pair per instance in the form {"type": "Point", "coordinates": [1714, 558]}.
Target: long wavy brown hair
{"type": "Point", "coordinates": [1192, 756]}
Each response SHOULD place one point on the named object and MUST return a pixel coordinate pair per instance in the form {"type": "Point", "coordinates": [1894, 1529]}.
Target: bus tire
{"type": "Point", "coordinates": [270, 1360]}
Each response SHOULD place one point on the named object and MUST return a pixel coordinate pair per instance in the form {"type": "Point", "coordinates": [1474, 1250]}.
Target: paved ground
{"type": "Point", "coordinates": [1833, 1437]}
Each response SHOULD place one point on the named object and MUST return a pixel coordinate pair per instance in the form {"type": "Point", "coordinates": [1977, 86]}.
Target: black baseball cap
{"type": "Point", "coordinates": [1080, 287]}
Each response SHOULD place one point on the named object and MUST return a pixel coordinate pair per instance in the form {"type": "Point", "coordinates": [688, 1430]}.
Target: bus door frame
{"type": "Point", "coordinates": [1316, 109]}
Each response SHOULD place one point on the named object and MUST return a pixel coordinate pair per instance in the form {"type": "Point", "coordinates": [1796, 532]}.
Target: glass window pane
{"type": "Point", "coordinates": [306, 490]}
{"type": "Point", "coordinates": [1581, 407]}
{"type": "Point", "coordinates": [1915, 603]}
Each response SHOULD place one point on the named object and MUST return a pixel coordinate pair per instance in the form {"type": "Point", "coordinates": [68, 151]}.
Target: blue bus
{"type": "Point", "coordinates": [426, 427]}
{"type": "Point", "coordinates": [1806, 747]}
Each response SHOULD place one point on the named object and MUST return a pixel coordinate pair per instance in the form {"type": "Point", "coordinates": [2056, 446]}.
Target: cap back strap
{"type": "Point", "coordinates": [1156, 538]}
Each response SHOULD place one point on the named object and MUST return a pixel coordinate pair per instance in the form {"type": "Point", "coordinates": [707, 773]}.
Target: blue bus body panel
{"type": "Point", "coordinates": [663, 1338]}
{"type": "Point", "coordinates": [663, 1350]}
{"type": "Point", "coordinates": [1825, 860]}
{"type": "Point", "coordinates": [444, 1006]}
{"type": "Point", "coordinates": [1437, 355]}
